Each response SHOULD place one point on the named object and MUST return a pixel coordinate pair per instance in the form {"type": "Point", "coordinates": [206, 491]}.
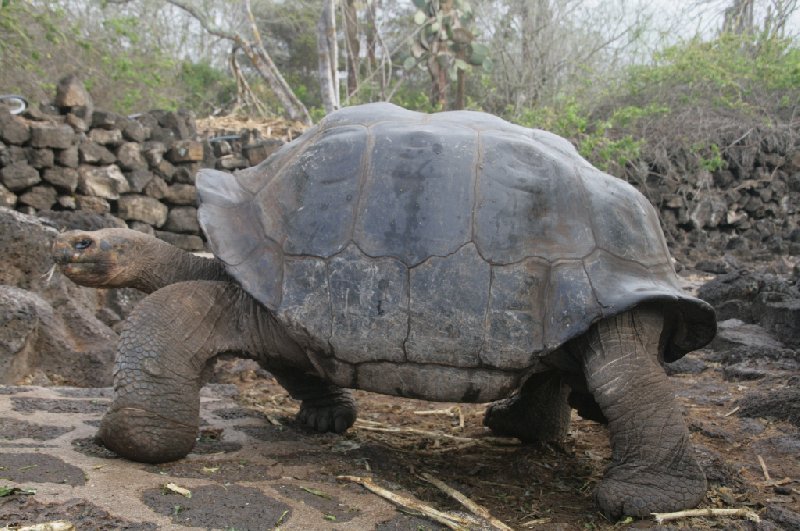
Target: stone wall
{"type": "Point", "coordinates": [68, 156]}
{"type": "Point", "coordinates": [749, 210]}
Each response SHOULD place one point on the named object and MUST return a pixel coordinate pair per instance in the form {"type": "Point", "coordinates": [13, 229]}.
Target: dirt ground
{"type": "Point", "coordinates": [255, 468]}
{"type": "Point", "coordinates": [550, 487]}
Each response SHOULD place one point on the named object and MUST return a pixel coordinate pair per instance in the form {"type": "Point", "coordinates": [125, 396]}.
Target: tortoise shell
{"type": "Point", "coordinates": [440, 256]}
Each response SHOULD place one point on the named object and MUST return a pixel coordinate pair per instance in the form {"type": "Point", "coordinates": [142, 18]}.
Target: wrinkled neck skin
{"type": "Point", "coordinates": [170, 264]}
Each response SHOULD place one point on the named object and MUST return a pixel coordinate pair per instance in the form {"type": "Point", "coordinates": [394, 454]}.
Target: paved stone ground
{"type": "Point", "coordinates": [46, 436]}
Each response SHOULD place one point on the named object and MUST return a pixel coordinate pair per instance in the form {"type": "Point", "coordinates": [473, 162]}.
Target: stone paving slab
{"type": "Point", "coordinates": [245, 472]}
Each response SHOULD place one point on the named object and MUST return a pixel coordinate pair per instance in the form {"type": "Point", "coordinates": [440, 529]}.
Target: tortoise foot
{"type": "Point", "coordinates": [328, 414]}
{"type": "Point", "coordinates": [505, 419]}
{"type": "Point", "coordinates": [146, 437]}
{"type": "Point", "coordinates": [537, 413]}
{"type": "Point", "coordinates": [629, 491]}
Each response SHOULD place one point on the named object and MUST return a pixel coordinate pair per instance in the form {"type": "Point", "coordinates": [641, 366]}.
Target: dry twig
{"type": "Point", "coordinates": [449, 520]}
{"type": "Point", "coordinates": [666, 517]}
{"type": "Point", "coordinates": [474, 508]}
{"type": "Point", "coordinates": [764, 468]}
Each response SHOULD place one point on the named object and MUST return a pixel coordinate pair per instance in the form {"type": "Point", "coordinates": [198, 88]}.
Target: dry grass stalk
{"type": "Point", "coordinates": [764, 468]}
{"type": "Point", "coordinates": [666, 517]}
{"type": "Point", "coordinates": [451, 412]}
{"type": "Point", "coordinates": [449, 520]}
{"type": "Point", "coordinates": [474, 508]}
{"type": "Point", "coordinates": [437, 434]}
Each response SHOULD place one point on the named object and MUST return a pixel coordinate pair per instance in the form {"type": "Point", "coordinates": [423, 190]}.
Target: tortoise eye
{"type": "Point", "coordinates": [83, 244]}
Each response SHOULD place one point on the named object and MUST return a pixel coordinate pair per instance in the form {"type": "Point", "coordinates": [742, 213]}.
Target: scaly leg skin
{"type": "Point", "coordinates": [162, 355]}
{"type": "Point", "coordinates": [324, 407]}
{"type": "Point", "coordinates": [653, 466]}
{"type": "Point", "coordinates": [538, 412]}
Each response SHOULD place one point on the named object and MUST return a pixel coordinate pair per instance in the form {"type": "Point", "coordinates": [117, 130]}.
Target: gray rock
{"type": "Point", "coordinates": [92, 204]}
{"type": "Point", "coordinates": [47, 324]}
{"type": "Point", "coordinates": [182, 219]}
{"type": "Point", "coordinates": [105, 119]}
{"type": "Point", "coordinates": [67, 201]}
{"type": "Point", "coordinates": [166, 170]}
{"type": "Point", "coordinates": [187, 242]}
{"type": "Point", "coordinates": [71, 93]}
{"type": "Point", "coordinates": [142, 208]}
{"type": "Point", "coordinates": [232, 162]}
{"type": "Point", "coordinates": [138, 179]}
{"type": "Point", "coordinates": [52, 136]}
{"type": "Point", "coordinates": [780, 314]}
{"type": "Point", "coordinates": [41, 158]}
{"type": "Point", "coordinates": [255, 153]}
{"type": "Point", "coordinates": [186, 151]}
{"type": "Point", "coordinates": [142, 227]}
{"type": "Point", "coordinates": [134, 131]}
{"type": "Point", "coordinates": [68, 157]}
{"type": "Point", "coordinates": [71, 347]}
{"type": "Point", "coordinates": [107, 182]}
{"type": "Point", "coordinates": [181, 194]}
{"type": "Point", "coordinates": [129, 156]}
{"type": "Point", "coordinates": [94, 153]}
{"type": "Point", "coordinates": [153, 152]}
{"type": "Point", "coordinates": [688, 364]}
{"type": "Point", "coordinates": [7, 198]}
{"type": "Point", "coordinates": [62, 178]}
{"type": "Point", "coordinates": [185, 173]}
{"type": "Point", "coordinates": [709, 212]}
{"type": "Point", "coordinates": [106, 137]}
{"type": "Point", "coordinates": [41, 197]}
{"type": "Point", "coordinates": [735, 333]}
{"type": "Point", "coordinates": [18, 176]}
{"type": "Point", "coordinates": [12, 129]}
{"type": "Point", "coordinates": [156, 188]}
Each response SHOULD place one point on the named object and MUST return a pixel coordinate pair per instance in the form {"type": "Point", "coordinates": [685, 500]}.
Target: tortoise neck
{"type": "Point", "coordinates": [165, 264]}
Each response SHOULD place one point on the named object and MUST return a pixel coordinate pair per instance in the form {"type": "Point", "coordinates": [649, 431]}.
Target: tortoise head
{"type": "Point", "coordinates": [104, 258]}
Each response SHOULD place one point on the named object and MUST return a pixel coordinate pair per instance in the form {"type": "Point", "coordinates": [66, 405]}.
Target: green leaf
{"type": "Point", "coordinates": [462, 65]}
{"type": "Point", "coordinates": [421, 4]}
{"type": "Point", "coordinates": [8, 491]}
{"type": "Point", "coordinates": [419, 18]}
{"type": "Point", "coordinates": [478, 54]}
{"type": "Point", "coordinates": [409, 63]}
{"type": "Point", "coordinates": [435, 27]}
{"type": "Point", "coordinates": [315, 492]}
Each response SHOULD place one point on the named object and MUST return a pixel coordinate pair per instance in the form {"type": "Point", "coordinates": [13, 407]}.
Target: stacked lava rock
{"type": "Point", "coordinates": [141, 168]}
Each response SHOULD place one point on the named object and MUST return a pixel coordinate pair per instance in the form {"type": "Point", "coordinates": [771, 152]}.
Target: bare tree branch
{"type": "Point", "coordinates": [259, 57]}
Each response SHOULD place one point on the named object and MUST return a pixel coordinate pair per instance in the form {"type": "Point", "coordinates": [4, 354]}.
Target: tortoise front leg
{"type": "Point", "coordinates": [653, 466]}
{"type": "Point", "coordinates": [325, 407]}
{"type": "Point", "coordinates": [164, 347]}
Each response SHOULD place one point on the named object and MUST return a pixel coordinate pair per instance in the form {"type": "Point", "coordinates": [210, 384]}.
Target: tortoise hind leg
{"type": "Point", "coordinates": [653, 467]}
{"type": "Point", "coordinates": [537, 412]}
{"type": "Point", "coordinates": [325, 407]}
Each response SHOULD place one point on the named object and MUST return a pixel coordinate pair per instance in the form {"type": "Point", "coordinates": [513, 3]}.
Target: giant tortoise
{"type": "Point", "coordinates": [449, 257]}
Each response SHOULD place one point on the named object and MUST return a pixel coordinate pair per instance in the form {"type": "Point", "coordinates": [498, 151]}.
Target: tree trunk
{"type": "Point", "coordinates": [461, 83]}
{"type": "Point", "coordinates": [326, 50]}
{"type": "Point", "coordinates": [739, 17]}
{"type": "Point", "coordinates": [372, 30]}
{"type": "Point", "coordinates": [267, 69]}
{"type": "Point", "coordinates": [352, 44]}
